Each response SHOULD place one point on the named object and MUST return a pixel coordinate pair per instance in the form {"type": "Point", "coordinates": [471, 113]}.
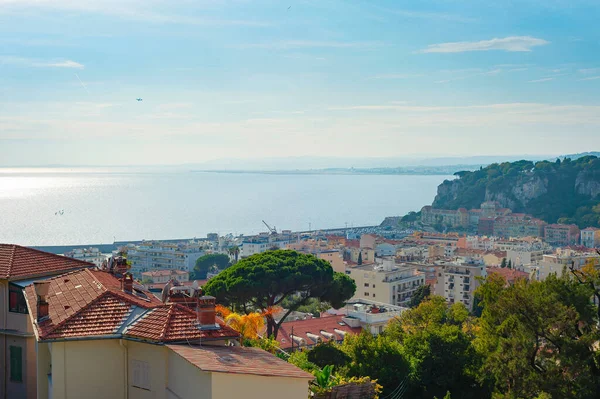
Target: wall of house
{"type": "Point", "coordinates": [228, 385]}
{"type": "Point", "coordinates": [88, 369]}
{"type": "Point", "coordinates": [185, 381]}
{"type": "Point", "coordinates": [155, 357]}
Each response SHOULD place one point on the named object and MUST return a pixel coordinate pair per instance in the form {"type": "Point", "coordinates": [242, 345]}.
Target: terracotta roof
{"type": "Point", "coordinates": [159, 273]}
{"type": "Point", "coordinates": [19, 263]}
{"type": "Point", "coordinates": [314, 326]}
{"type": "Point", "coordinates": [90, 303]}
{"type": "Point", "coordinates": [175, 323]}
{"type": "Point", "coordinates": [160, 286]}
{"type": "Point", "coordinates": [238, 360]}
{"type": "Point", "coordinates": [510, 275]}
{"type": "Point", "coordinates": [353, 243]}
{"type": "Point", "coordinates": [83, 302]}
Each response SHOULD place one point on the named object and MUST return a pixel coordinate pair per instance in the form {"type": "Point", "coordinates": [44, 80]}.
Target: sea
{"type": "Point", "coordinates": [80, 206]}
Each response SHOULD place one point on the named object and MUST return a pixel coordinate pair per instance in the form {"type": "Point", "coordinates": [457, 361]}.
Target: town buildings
{"type": "Point", "coordinates": [386, 282]}
{"type": "Point", "coordinates": [561, 260]}
{"type": "Point", "coordinates": [265, 241]}
{"type": "Point", "coordinates": [155, 255]}
{"type": "Point", "coordinates": [561, 235]}
{"type": "Point", "coordinates": [19, 267]}
{"type": "Point", "coordinates": [100, 335]}
{"type": "Point", "coordinates": [457, 282]}
{"type": "Point", "coordinates": [518, 225]}
{"type": "Point", "coordinates": [91, 255]}
{"type": "Point", "coordinates": [164, 276]}
{"type": "Point", "coordinates": [590, 237]}
{"type": "Point", "coordinates": [462, 218]}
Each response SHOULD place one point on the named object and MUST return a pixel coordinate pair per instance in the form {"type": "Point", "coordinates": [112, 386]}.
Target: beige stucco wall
{"type": "Point", "coordinates": [186, 381]}
{"type": "Point", "coordinates": [228, 386]}
{"type": "Point", "coordinates": [156, 357]}
{"type": "Point", "coordinates": [88, 369]}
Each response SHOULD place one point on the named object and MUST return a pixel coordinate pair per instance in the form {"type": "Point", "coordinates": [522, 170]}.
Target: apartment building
{"type": "Point", "coordinates": [457, 282]}
{"type": "Point", "coordinates": [100, 335]}
{"type": "Point", "coordinates": [265, 241]}
{"type": "Point", "coordinates": [156, 255]}
{"type": "Point", "coordinates": [561, 235]}
{"type": "Point", "coordinates": [563, 258]}
{"type": "Point", "coordinates": [164, 276]}
{"type": "Point", "coordinates": [91, 255]}
{"type": "Point", "coordinates": [462, 217]}
{"type": "Point", "coordinates": [518, 225]}
{"type": "Point", "coordinates": [519, 258]}
{"type": "Point", "coordinates": [387, 282]}
{"type": "Point", "coordinates": [19, 267]}
{"type": "Point", "coordinates": [590, 237]}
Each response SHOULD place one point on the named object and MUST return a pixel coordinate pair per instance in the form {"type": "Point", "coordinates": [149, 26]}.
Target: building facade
{"type": "Point", "coordinates": [387, 282]}
{"type": "Point", "coordinates": [164, 276]}
{"type": "Point", "coordinates": [561, 235]}
{"type": "Point", "coordinates": [19, 267]}
{"type": "Point", "coordinates": [457, 282]}
{"type": "Point", "coordinates": [590, 237]}
{"type": "Point", "coordinates": [156, 255]}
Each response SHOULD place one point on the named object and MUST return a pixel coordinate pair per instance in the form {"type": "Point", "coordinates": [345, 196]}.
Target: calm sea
{"type": "Point", "coordinates": [93, 206]}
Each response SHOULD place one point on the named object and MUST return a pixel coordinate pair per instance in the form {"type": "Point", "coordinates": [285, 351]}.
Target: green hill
{"type": "Point", "coordinates": [566, 191]}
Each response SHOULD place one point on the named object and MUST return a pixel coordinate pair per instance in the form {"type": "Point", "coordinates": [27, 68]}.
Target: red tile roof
{"type": "Point", "coordinates": [160, 273]}
{"type": "Point", "coordinates": [314, 326]}
{"type": "Point", "coordinates": [238, 360]}
{"type": "Point", "coordinates": [175, 323]}
{"type": "Point", "coordinates": [510, 275]}
{"type": "Point", "coordinates": [88, 303]}
{"type": "Point", "coordinates": [19, 263]}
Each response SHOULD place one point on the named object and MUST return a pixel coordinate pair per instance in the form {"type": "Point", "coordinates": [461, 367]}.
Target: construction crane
{"type": "Point", "coordinates": [273, 230]}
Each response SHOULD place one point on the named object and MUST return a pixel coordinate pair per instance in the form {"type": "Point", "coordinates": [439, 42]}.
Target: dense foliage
{"type": "Point", "coordinates": [206, 262]}
{"type": "Point", "coordinates": [264, 281]}
{"type": "Point", "coordinates": [530, 340]}
{"type": "Point", "coordinates": [566, 191]}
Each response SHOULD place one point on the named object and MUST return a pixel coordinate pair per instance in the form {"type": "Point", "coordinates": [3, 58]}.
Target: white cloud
{"type": "Point", "coordinates": [34, 63]}
{"type": "Point", "coordinates": [429, 15]}
{"type": "Point", "coordinates": [591, 78]}
{"type": "Point", "coordinates": [152, 11]}
{"type": "Point", "coordinates": [587, 71]}
{"type": "Point", "coordinates": [397, 76]}
{"type": "Point", "coordinates": [295, 44]}
{"type": "Point", "coordinates": [541, 80]}
{"type": "Point", "coordinates": [512, 43]}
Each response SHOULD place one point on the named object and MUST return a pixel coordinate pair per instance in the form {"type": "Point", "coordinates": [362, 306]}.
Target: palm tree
{"type": "Point", "coordinates": [235, 252]}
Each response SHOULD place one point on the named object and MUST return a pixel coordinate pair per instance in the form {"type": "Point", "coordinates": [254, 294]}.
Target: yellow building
{"type": "Point", "coordinates": [100, 335]}
{"type": "Point", "coordinates": [18, 266]}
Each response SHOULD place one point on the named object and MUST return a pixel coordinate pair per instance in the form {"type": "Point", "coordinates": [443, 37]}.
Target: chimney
{"type": "Point", "coordinates": [41, 290]}
{"type": "Point", "coordinates": [127, 283]}
{"type": "Point", "coordinates": [206, 313]}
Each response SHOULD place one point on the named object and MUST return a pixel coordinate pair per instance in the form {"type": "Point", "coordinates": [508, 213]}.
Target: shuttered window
{"type": "Point", "coordinates": [16, 364]}
{"type": "Point", "coordinates": [141, 374]}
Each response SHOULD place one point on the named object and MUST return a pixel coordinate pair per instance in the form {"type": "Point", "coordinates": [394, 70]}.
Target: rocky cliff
{"type": "Point", "coordinates": [567, 191]}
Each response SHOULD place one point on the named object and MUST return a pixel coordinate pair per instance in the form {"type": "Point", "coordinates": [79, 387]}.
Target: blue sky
{"type": "Point", "coordinates": [252, 79]}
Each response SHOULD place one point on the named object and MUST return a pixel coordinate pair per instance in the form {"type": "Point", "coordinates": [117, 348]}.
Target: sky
{"type": "Point", "coordinates": [240, 79]}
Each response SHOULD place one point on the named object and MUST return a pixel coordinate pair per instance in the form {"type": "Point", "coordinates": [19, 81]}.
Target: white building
{"type": "Point", "coordinates": [164, 276]}
{"type": "Point", "coordinates": [521, 258]}
{"type": "Point", "coordinates": [371, 315]}
{"type": "Point", "coordinates": [386, 282]}
{"type": "Point", "coordinates": [457, 282]}
{"type": "Point", "coordinates": [92, 255]}
{"type": "Point", "coordinates": [265, 241]}
{"type": "Point", "coordinates": [156, 255]}
{"type": "Point", "coordinates": [590, 237]}
{"type": "Point", "coordinates": [561, 259]}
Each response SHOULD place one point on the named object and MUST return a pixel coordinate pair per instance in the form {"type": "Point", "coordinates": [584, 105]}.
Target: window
{"type": "Point", "coordinates": [16, 364]}
{"type": "Point", "coordinates": [373, 285]}
{"type": "Point", "coordinates": [141, 374]}
{"type": "Point", "coordinates": [366, 294]}
{"type": "Point", "coordinates": [366, 284]}
{"type": "Point", "coordinates": [16, 300]}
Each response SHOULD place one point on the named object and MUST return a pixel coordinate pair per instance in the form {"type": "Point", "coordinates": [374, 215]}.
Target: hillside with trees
{"type": "Point", "coordinates": [564, 191]}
